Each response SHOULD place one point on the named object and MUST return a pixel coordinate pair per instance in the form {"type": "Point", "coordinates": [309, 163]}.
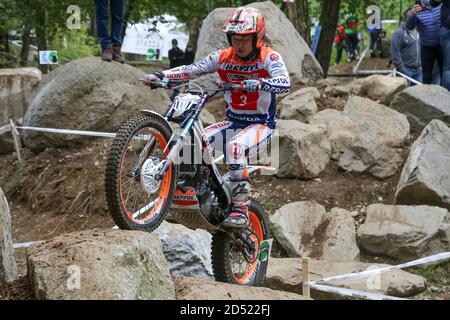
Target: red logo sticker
{"type": "Point", "coordinates": [274, 57]}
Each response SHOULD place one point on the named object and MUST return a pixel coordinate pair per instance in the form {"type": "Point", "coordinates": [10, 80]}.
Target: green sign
{"type": "Point", "coordinates": [48, 57]}
{"type": "Point", "coordinates": [153, 54]}
{"type": "Point", "coordinates": [265, 247]}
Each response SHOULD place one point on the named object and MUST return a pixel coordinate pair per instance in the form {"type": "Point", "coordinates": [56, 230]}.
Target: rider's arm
{"type": "Point", "coordinates": [278, 81]}
{"type": "Point", "coordinates": [204, 66]}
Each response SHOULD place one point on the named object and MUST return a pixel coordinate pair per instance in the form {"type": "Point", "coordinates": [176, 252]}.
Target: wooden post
{"type": "Point", "coordinates": [16, 138]}
{"type": "Point", "coordinates": [305, 278]}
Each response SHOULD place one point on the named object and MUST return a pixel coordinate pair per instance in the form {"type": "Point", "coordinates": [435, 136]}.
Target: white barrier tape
{"type": "Point", "coordinates": [66, 131]}
{"type": "Point", "coordinates": [408, 78]}
{"type": "Point", "coordinates": [25, 244]}
{"type": "Point", "coordinates": [355, 69]}
{"type": "Point", "coordinates": [5, 128]}
{"type": "Point", "coordinates": [354, 293]}
{"type": "Point", "coordinates": [368, 273]}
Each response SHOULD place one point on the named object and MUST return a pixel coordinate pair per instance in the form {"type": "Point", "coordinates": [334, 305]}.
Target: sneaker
{"type": "Point", "coordinates": [117, 54]}
{"type": "Point", "coordinates": [107, 54]}
{"type": "Point", "coordinates": [238, 218]}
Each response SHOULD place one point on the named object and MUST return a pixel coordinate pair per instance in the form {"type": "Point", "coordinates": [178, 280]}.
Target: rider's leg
{"type": "Point", "coordinates": [248, 142]}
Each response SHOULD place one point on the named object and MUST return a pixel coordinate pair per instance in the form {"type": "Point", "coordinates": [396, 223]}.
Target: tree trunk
{"type": "Point", "coordinates": [24, 52]}
{"type": "Point", "coordinates": [298, 14]}
{"type": "Point", "coordinates": [41, 34]}
{"type": "Point", "coordinates": [303, 18]}
{"type": "Point", "coordinates": [328, 20]}
{"type": "Point", "coordinates": [129, 7]}
{"type": "Point", "coordinates": [194, 33]}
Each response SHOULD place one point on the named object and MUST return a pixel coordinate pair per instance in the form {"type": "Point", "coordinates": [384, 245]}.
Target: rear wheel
{"type": "Point", "coordinates": [229, 263]}
{"type": "Point", "coordinates": [134, 204]}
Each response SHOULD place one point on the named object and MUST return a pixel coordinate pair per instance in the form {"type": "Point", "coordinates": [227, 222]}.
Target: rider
{"type": "Point", "coordinates": [251, 113]}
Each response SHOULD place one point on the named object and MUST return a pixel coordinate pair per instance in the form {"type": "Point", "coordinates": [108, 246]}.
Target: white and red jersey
{"type": "Point", "coordinates": [244, 109]}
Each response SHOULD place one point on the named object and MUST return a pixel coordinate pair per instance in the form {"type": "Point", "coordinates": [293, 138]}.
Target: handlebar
{"type": "Point", "coordinates": [170, 84]}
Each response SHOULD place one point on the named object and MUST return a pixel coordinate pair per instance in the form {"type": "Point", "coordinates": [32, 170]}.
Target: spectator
{"type": "Point", "coordinates": [405, 51]}
{"type": "Point", "coordinates": [176, 55]}
{"type": "Point", "coordinates": [351, 37]}
{"type": "Point", "coordinates": [375, 29]}
{"type": "Point", "coordinates": [445, 39]}
{"type": "Point", "coordinates": [339, 42]}
{"type": "Point", "coordinates": [111, 43]}
{"type": "Point", "coordinates": [427, 19]}
{"type": "Point", "coordinates": [189, 55]}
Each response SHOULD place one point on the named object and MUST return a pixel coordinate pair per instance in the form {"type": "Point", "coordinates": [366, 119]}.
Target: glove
{"type": "Point", "coordinates": [152, 78]}
{"type": "Point", "coordinates": [251, 85]}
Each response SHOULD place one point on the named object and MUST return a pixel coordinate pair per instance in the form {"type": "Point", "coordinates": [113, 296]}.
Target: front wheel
{"type": "Point", "coordinates": [228, 261]}
{"type": "Point", "coordinates": [136, 200]}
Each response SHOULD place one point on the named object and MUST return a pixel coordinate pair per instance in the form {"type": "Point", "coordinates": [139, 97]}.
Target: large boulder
{"type": "Point", "coordinates": [281, 36]}
{"type": "Point", "coordinates": [188, 252]}
{"type": "Point", "coordinates": [421, 104]}
{"type": "Point", "coordinates": [299, 105]}
{"type": "Point", "coordinates": [377, 122]}
{"type": "Point", "coordinates": [8, 268]}
{"type": "Point", "coordinates": [382, 88]}
{"type": "Point", "coordinates": [304, 150]}
{"type": "Point", "coordinates": [101, 265]}
{"type": "Point", "coordinates": [88, 94]}
{"type": "Point", "coordinates": [306, 229]}
{"type": "Point", "coordinates": [425, 178]}
{"type": "Point", "coordinates": [341, 130]}
{"type": "Point", "coordinates": [405, 233]}
{"type": "Point", "coordinates": [203, 289]}
{"type": "Point", "coordinates": [286, 274]}
{"type": "Point", "coordinates": [372, 157]}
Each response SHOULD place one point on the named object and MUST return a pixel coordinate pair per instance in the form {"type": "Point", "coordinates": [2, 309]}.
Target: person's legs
{"type": "Point", "coordinates": [117, 8]}
{"type": "Point", "coordinates": [102, 23]}
{"type": "Point", "coordinates": [247, 143]}
{"type": "Point", "coordinates": [339, 49]}
{"type": "Point", "coordinates": [445, 45]}
{"type": "Point", "coordinates": [427, 64]}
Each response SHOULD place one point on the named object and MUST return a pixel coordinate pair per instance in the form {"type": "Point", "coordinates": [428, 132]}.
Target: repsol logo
{"type": "Point", "coordinates": [241, 68]}
{"type": "Point", "coordinates": [185, 198]}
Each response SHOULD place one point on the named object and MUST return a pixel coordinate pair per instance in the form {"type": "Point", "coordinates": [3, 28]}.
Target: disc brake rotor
{"type": "Point", "coordinates": [148, 172]}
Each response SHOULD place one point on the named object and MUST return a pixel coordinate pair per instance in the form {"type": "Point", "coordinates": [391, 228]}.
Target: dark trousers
{"type": "Point", "coordinates": [102, 8]}
{"type": "Point", "coordinates": [430, 55]}
{"type": "Point", "coordinates": [375, 41]}
{"type": "Point", "coordinates": [351, 42]}
{"type": "Point", "coordinates": [339, 48]}
{"type": "Point", "coordinates": [445, 44]}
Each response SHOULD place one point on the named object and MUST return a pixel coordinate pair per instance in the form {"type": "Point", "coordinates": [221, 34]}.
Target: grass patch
{"type": "Point", "coordinates": [436, 274]}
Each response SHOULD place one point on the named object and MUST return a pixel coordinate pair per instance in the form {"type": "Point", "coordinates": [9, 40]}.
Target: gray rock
{"type": "Point", "coordinates": [405, 233]}
{"type": "Point", "coordinates": [341, 130]}
{"type": "Point", "coordinates": [377, 122]}
{"type": "Point", "coordinates": [286, 274]}
{"type": "Point", "coordinates": [299, 105]}
{"type": "Point", "coordinates": [425, 178]}
{"type": "Point", "coordinates": [381, 88]}
{"type": "Point", "coordinates": [338, 91]}
{"type": "Point", "coordinates": [100, 265]}
{"type": "Point", "coordinates": [203, 289]}
{"type": "Point", "coordinates": [88, 94]}
{"type": "Point", "coordinates": [367, 156]}
{"type": "Point", "coordinates": [8, 268]}
{"type": "Point", "coordinates": [304, 150]}
{"type": "Point", "coordinates": [306, 229]}
{"type": "Point", "coordinates": [281, 36]}
{"type": "Point", "coordinates": [421, 104]}
{"type": "Point", "coordinates": [207, 118]}
{"type": "Point", "coordinates": [188, 252]}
